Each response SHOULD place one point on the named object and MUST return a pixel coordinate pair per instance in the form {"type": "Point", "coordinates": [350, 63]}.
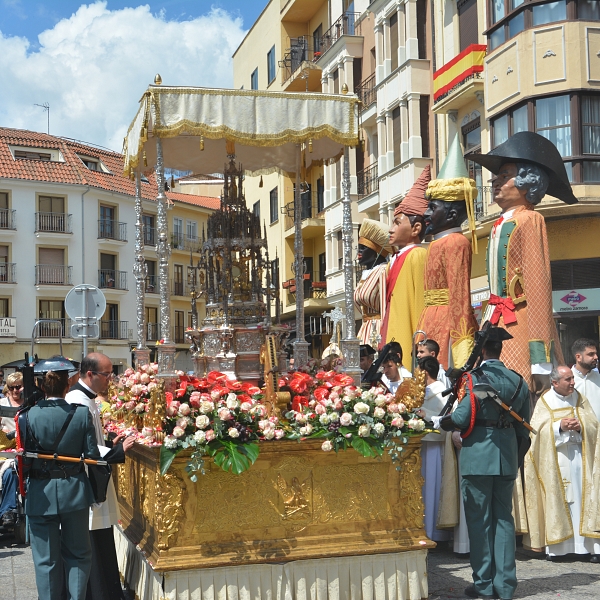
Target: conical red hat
{"type": "Point", "coordinates": [414, 202]}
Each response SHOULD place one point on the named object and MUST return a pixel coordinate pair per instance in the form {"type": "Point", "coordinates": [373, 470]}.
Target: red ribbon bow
{"type": "Point", "coordinates": [504, 307]}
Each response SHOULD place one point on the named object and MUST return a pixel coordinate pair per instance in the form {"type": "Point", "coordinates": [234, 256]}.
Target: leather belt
{"type": "Point", "coordinates": [59, 473]}
{"type": "Point", "coordinates": [492, 423]}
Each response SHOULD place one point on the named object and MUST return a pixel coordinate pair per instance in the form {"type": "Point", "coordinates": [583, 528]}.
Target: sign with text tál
{"type": "Point", "coordinates": [574, 301]}
{"type": "Point", "coordinates": [8, 327]}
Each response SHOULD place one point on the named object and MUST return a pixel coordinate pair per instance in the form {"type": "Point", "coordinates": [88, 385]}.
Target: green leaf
{"type": "Point", "coordinates": [250, 450]}
{"type": "Point", "coordinates": [363, 447]}
{"type": "Point", "coordinates": [166, 458]}
{"type": "Point", "coordinates": [229, 457]}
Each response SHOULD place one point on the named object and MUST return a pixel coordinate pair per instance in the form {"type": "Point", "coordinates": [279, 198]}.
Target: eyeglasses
{"type": "Point", "coordinates": [106, 375]}
{"type": "Point", "coordinates": [12, 388]}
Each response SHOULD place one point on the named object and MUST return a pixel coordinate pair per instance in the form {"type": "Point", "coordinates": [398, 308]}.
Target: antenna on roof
{"type": "Point", "coordinates": [46, 107]}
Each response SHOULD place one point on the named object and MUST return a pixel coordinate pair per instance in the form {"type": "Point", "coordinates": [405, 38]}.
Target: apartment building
{"type": "Point", "coordinates": [379, 50]}
{"type": "Point", "coordinates": [74, 202]}
{"type": "Point", "coordinates": [507, 66]}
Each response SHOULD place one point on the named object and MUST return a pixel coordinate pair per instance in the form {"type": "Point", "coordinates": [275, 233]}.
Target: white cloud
{"type": "Point", "coordinates": [93, 68]}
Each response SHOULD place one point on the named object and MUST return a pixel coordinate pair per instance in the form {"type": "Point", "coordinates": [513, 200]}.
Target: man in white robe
{"type": "Point", "coordinates": [587, 378]}
{"type": "Point", "coordinates": [562, 452]}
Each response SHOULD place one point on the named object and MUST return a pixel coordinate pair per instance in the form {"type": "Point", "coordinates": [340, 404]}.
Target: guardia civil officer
{"type": "Point", "coordinates": [489, 467]}
{"type": "Point", "coordinates": [59, 494]}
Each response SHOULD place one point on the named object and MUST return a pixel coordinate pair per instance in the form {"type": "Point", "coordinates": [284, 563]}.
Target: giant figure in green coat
{"type": "Point", "coordinates": [489, 467]}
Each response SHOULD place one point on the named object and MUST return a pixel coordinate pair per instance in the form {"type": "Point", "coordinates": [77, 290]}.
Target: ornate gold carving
{"type": "Point", "coordinates": [295, 497]}
{"type": "Point", "coordinates": [170, 498]}
{"type": "Point", "coordinates": [411, 392]}
{"type": "Point", "coordinates": [411, 487]}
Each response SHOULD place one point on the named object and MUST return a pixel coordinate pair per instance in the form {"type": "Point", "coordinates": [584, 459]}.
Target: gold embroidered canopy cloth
{"type": "Point", "coordinates": [199, 126]}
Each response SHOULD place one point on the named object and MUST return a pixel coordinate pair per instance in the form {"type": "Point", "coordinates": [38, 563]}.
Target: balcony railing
{"type": "Point", "coordinates": [312, 208]}
{"type": "Point", "coordinates": [53, 222]}
{"type": "Point", "coordinates": [483, 202]}
{"type": "Point", "coordinates": [112, 230]}
{"type": "Point", "coordinates": [109, 278]}
{"type": "Point", "coordinates": [301, 50]}
{"type": "Point", "coordinates": [8, 273]}
{"type": "Point", "coordinates": [462, 68]}
{"type": "Point", "coordinates": [179, 288]}
{"type": "Point", "coordinates": [149, 236]}
{"type": "Point", "coordinates": [345, 25]}
{"type": "Point", "coordinates": [7, 218]}
{"type": "Point", "coordinates": [53, 275]}
{"type": "Point", "coordinates": [365, 91]}
{"type": "Point", "coordinates": [314, 287]}
{"type": "Point", "coordinates": [114, 330]}
{"type": "Point", "coordinates": [52, 330]}
{"type": "Point", "coordinates": [367, 181]}
{"type": "Point", "coordinates": [152, 331]}
{"type": "Point", "coordinates": [179, 241]}
{"type": "Point", "coordinates": [152, 284]}
{"type": "Point", "coordinates": [179, 334]}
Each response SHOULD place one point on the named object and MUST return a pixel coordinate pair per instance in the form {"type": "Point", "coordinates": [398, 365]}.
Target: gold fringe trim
{"type": "Point", "coordinates": [439, 297]}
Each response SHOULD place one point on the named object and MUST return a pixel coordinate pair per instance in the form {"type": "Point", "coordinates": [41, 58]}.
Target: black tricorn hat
{"type": "Point", "coordinates": [54, 363]}
{"type": "Point", "coordinates": [498, 334]}
{"type": "Point", "coordinates": [366, 350]}
{"type": "Point", "coordinates": [527, 146]}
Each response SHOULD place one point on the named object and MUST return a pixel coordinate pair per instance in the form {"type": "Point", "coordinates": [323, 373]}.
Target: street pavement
{"type": "Point", "coordinates": [568, 579]}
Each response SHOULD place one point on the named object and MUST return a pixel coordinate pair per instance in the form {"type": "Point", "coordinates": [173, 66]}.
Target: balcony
{"type": "Point", "coordinates": [114, 330]}
{"type": "Point", "coordinates": [179, 334]}
{"type": "Point", "coordinates": [313, 218]}
{"type": "Point", "coordinates": [149, 236]}
{"type": "Point", "coordinates": [53, 275]}
{"type": "Point", "coordinates": [299, 72]}
{"type": "Point", "coordinates": [367, 181]}
{"type": "Point", "coordinates": [152, 332]}
{"type": "Point", "coordinates": [184, 242]}
{"type": "Point", "coordinates": [8, 218]}
{"type": "Point", "coordinates": [345, 25]}
{"type": "Point", "coordinates": [109, 278]}
{"type": "Point", "coordinates": [314, 288]}
{"type": "Point", "coordinates": [483, 202]}
{"type": "Point", "coordinates": [8, 272]}
{"type": "Point", "coordinates": [52, 330]}
{"type": "Point", "coordinates": [460, 80]}
{"type": "Point", "coordinates": [152, 284]}
{"type": "Point", "coordinates": [53, 223]}
{"type": "Point", "coordinates": [112, 230]}
{"type": "Point", "coordinates": [179, 288]}
{"type": "Point", "coordinates": [366, 92]}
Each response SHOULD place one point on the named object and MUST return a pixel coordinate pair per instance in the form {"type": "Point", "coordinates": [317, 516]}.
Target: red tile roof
{"type": "Point", "coordinates": [73, 171]}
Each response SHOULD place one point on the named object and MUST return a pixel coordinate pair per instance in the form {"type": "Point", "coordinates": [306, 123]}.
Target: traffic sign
{"type": "Point", "coordinates": [85, 302]}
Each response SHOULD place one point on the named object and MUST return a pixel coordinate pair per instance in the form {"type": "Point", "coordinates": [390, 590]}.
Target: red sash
{"type": "Point", "coordinates": [392, 276]}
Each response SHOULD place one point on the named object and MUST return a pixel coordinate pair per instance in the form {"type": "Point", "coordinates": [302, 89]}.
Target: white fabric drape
{"type": "Point", "coordinates": [398, 576]}
{"type": "Point", "coordinates": [265, 126]}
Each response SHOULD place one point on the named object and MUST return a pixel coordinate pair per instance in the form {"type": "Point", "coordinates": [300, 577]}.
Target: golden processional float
{"type": "Point", "coordinates": [302, 523]}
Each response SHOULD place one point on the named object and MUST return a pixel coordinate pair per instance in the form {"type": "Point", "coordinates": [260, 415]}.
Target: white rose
{"type": "Point", "coordinates": [327, 446]}
{"type": "Point", "coordinates": [232, 432]}
{"type": "Point", "coordinates": [416, 424]}
{"type": "Point", "coordinates": [184, 409]}
{"type": "Point", "coordinates": [346, 419]}
{"type": "Point", "coordinates": [334, 417]}
{"type": "Point", "coordinates": [206, 406]}
{"type": "Point", "coordinates": [324, 419]}
{"type": "Point", "coordinates": [269, 434]}
{"type": "Point", "coordinates": [379, 412]}
{"type": "Point", "coordinates": [306, 430]}
{"type": "Point", "coordinates": [200, 437]}
{"type": "Point", "coordinates": [379, 429]}
{"type": "Point", "coordinates": [232, 402]}
{"type": "Point", "coordinates": [380, 400]}
{"type": "Point", "coordinates": [360, 408]}
{"type": "Point", "coordinates": [202, 421]}
{"type": "Point", "coordinates": [178, 432]}
{"type": "Point", "coordinates": [364, 430]}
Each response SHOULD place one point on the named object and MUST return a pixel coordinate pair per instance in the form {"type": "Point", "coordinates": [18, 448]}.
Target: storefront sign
{"type": "Point", "coordinates": [479, 296]}
{"type": "Point", "coordinates": [8, 327]}
{"type": "Point", "coordinates": [573, 301]}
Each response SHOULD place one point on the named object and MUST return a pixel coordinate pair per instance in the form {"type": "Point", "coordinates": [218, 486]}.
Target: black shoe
{"type": "Point", "coordinates": [9, 518]}
{"type": "Point", "coordinates": [473, 593]}
{"type": "Point", "coordinates": [594, 558]}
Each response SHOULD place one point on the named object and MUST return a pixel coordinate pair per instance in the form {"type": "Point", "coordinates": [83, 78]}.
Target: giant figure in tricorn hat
{"type": "Point", "coordinates": [518, 263]}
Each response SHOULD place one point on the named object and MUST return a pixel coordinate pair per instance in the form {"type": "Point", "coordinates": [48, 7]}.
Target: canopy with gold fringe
{"type": "Point", "coordinates": [199, 126]}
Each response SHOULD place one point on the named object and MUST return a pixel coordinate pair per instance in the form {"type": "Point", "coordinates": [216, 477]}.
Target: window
{"type": "Point", "coordinates": [107, 275]}
{"type": "Point", "coordinates": [273, 205]}
{"type": "Point", "coordinates": [467, 23]}
{"type": "Point", "coordinates": [317, 37]}
{"type": "Point", "coordinates": [151, 323]}
{"type": "Point", "coordinates": [178, 280]}
{"type": "Point", "coordinates": [33, 155]}
{"type": "Point", "coordinates": [322, 267]}
{"type": "Point", "coordinates": [5, 274]}
{"type": "Point", "coordinates": [107, 223]}
{"type": "Point", "coordinates": [575, 274]}
{"type": "Point", "coordinates": [589, 10]}
{"type": "Point", "coordinates": [51, 309]}
{"type": "Point", "coordinates": [549, 13]}
{"type": "Point", "coordinates": [340, 249]}
{"type": "Point", "coordinates": [151, 279]}
{"type": "Point", "coordinates": [424, 119]}
{"type": "Point", "coordinates": [320, 194]}
{"type": "Point", "coordinates": [149, 231]}
{"type": "Point", "coordinates": [394, 40]}
{"type": "Point", "coordinates": [6, 221]}
{"type": "Point", "coordinates": [396, 135]}
{"type": "Point", "coordinates": [191, 230]}
{"type": "Point", "coordinates": [177, 237]}
{"type": "Point", "coordinates": [110, 328]}
{"type": "Point", "coordinates": [254, 79]}
{"type": "Point", "coordinates": [471, 135]}
{"type": "Point", "coordinates": [336, 81]}
{"type": "Point", "coordinates": [179, 326]}
{"type": "Point", "coordinates": [3, 200]}
{"type": "Point", "coordinates": [51, 269]}
{"type": "Point", "coordinates": [51, 216]}
{"type": "Point", "coordinates": [270, 65]}
{"type": "Point", "coordinates": [4, 308]}
{"type": "Point", "coordinates": [275, 272]}
{"type": "Point", "coordinates": [570, 121]}
{"type": "Point", "coordinates": [256, 209]}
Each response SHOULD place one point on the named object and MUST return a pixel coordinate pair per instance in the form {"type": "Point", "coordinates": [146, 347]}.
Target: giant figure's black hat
{"type": "Point", "coordinates": [54, 363]}
{"type": "Point", "coordinates": [527, 146]}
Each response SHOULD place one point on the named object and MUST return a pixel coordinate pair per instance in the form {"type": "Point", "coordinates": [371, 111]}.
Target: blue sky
{"type": "Point", "coordinates": [92, 62]}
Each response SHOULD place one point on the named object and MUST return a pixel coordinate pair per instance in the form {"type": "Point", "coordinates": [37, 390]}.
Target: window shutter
{"type": "Point", "coordinates": [467, 23]}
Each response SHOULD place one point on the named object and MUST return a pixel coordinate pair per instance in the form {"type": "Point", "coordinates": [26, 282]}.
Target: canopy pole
{"type": "Point", "coordinates": [300, 344]}
{"type": "Point", "coordinates": [166, 348]}
{"type": "Point", "coordinates": [350, 343]}
{"type": "Point", "coordinates": [140, 272]}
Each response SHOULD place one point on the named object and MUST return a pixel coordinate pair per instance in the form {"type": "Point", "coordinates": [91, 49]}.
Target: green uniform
{"type": "Point", "coordinates": [488, 464]}
{"type": "Point", "coordinates": [58, 508]}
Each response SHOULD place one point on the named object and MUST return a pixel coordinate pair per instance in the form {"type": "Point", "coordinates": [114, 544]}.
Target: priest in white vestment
{"type": "Point", "coordinates": [587, 378]}
{"type": "Point", "coordinates": [558, 472]}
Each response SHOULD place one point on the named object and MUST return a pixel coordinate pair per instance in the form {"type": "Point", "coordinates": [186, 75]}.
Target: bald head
{"type": "Point", "coordinates": [96, 371]}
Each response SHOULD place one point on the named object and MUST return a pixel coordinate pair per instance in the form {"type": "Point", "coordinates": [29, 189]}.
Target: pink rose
{"type": "Point", "coordinates": [320, 409]}
{"type": "Point", "coordinates": [178, 432]}
{"type": "Point", "coordinates": [130, 405]}
{"type": "Point", "coordinates": [345, 419]}
{"type": "Point", "coordinates": [184, 409]}
{"type": "Point", "coordinates": [210, 435]}
{"type": "Point", "coordinates": [145, 378]}
{"type": "Point", "coordinates": [171, 411]}
{"type": "Point", "coordinates": [245, 406]}
{"type": "Point", "coordinates": [393, 408]}
{"type": "Point", "coordinates": [224, 414]}
{"type": "Point", "coordinates": [195, 398]}
{"type": "Point", "coordinates": [398, 422]}
{"type": "Point", "coordinates": [339, 405]}
{"type": "Point", "coordinates": [279, 433]}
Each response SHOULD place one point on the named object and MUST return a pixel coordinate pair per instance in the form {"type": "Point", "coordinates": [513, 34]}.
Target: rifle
{"type": "Point", "coordinates": [481, 337]}
{"type": "Point", "coordinates": [373, 374]}
{"type": "Point", "coordinates": [31, 393]}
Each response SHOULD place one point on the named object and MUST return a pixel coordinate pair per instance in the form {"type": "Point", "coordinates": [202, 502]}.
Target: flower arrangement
{"type": "Point", "coordinates": [329, 407]}
{"type": "Point", "coordinates": [218, 417]}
